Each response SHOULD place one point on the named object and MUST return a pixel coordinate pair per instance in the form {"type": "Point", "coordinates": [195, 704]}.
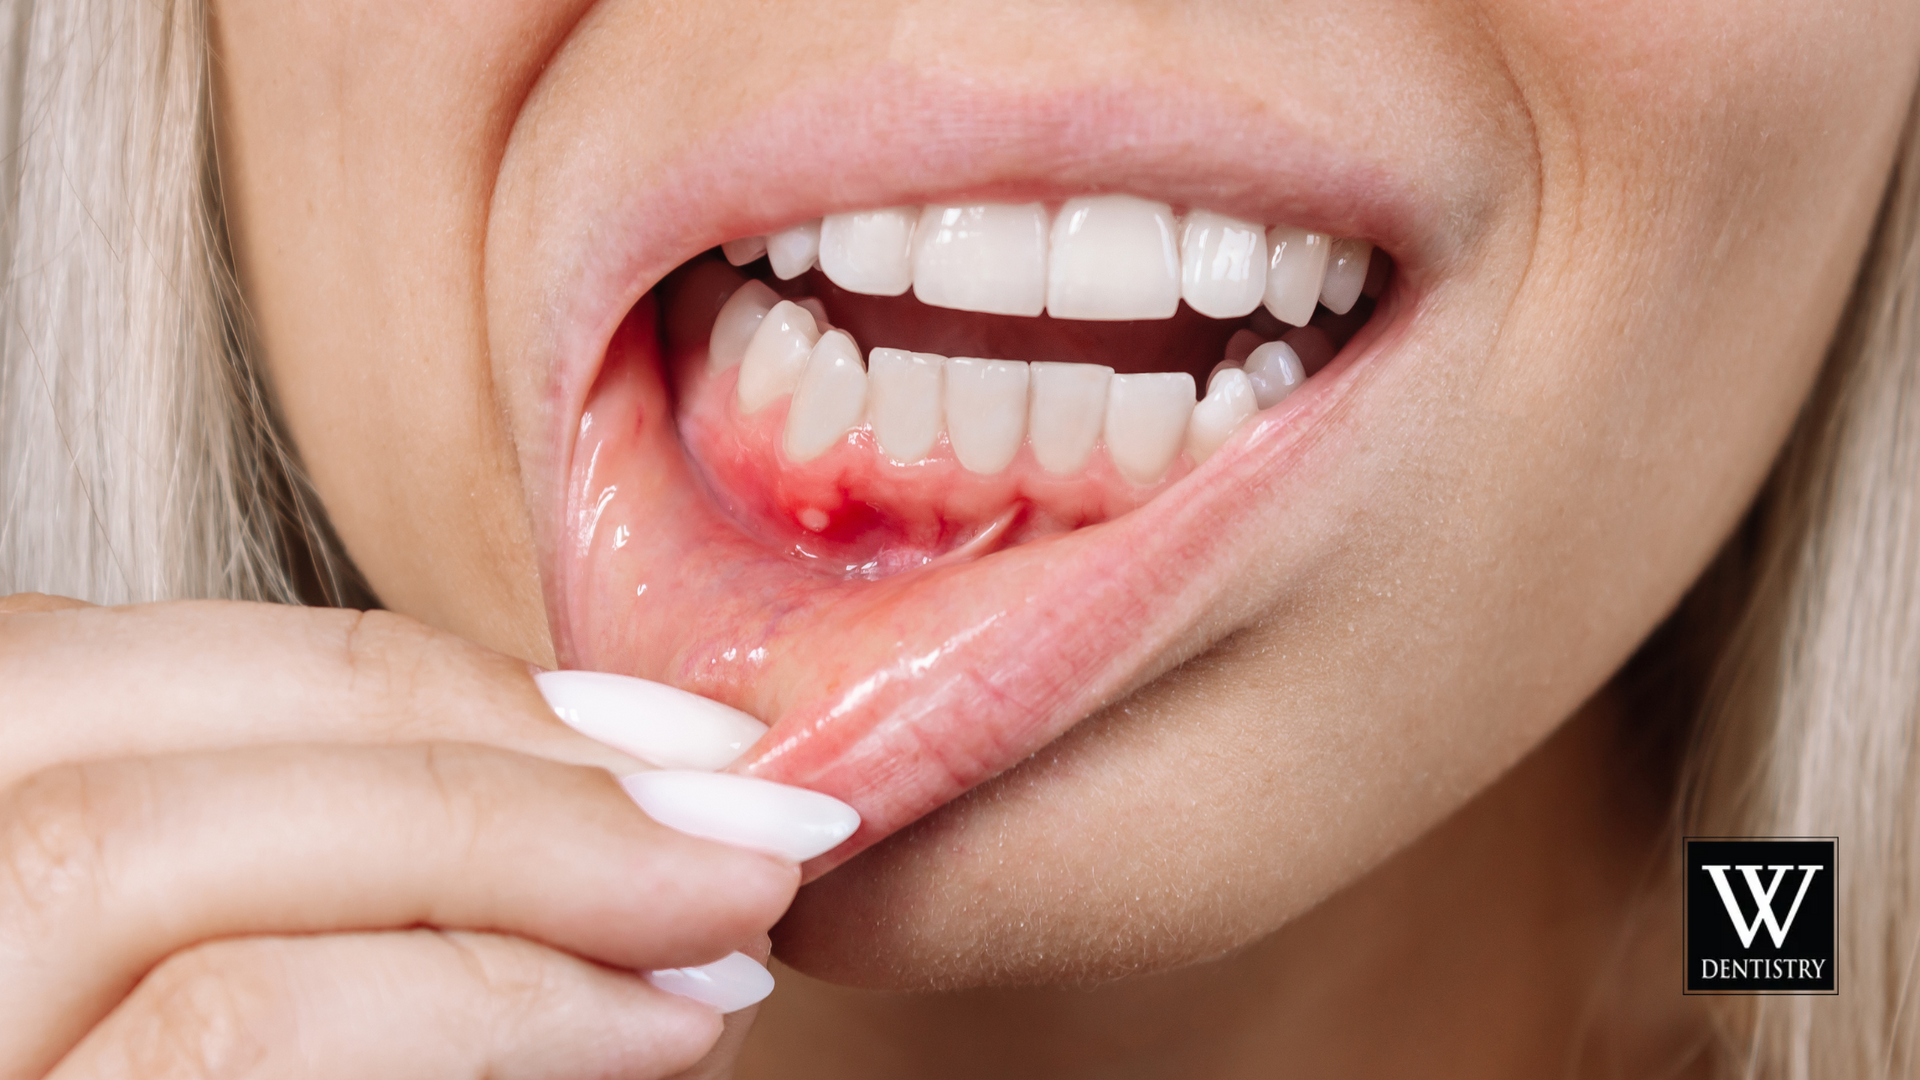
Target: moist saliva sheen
{"type": "Point", "coordinates": [885, 387]}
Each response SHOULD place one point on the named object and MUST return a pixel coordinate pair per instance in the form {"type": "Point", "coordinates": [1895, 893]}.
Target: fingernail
{"type": "Point", "coordinates": [656, 723]}
{"type": "Point", "coordinates": [759, 815]}
{"type": "Point", "coordinates": [728, 984]}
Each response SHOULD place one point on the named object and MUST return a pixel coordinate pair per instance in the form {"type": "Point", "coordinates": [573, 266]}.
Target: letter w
{"type": "Point", "coordinates": [1762, 898]}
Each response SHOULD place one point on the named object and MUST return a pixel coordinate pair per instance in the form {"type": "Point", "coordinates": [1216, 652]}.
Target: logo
{"type": "Point", "coordinates": [1759, 915]}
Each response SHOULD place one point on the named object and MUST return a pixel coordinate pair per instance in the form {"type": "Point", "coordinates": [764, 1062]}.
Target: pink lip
{"type": "Point", "coordinates": [897, 695]}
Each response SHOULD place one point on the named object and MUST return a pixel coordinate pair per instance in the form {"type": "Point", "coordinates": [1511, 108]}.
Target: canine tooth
{"type": "Point", "coordinates": [1063, 419]}
{"type": "Point", "coordinates": [1296, 264]}
{"type": "Point", "coordinates": [867, 251]}
{"type": "Point", "coordinates": [744, 250]}
{"type": "Point", "coordinates": [1223, 264]}
{"type": "Point", "coordinates": [986, 411]}
{"type": "Point", "coordinates": [990, 257]}
{"type": "Point", "coordinates": [1147, 422]}
{"type": "Point", "coordinates": [1113, 257]}
{"type": "Point", "coordinates": [776, 355]}
{"type": "Point", "coordinates": [829, 399]}
{"type": "Point", "coordinates": [903, 401]}
{"type": "Point", "coordinates": [1229, 401]}
{"type": "Point", "coordinates": [733, 328]}
{"type": "Point", "coordinates": [1274, 369]}
{"type": "Point", "coordinates": [792, 251]}
{"type": "Point", "coordinates": [1241, 345]}
{"type": "Point", "coordinates": [1346, 274]}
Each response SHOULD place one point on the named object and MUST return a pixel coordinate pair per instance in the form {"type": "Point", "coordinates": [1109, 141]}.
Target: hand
{"type": "Point", "coordinates": [242, 838]}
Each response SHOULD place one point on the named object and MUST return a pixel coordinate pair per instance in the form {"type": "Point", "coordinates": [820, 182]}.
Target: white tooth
{"type": "Point", "coordinates": [1063, 421]}
{"type": "Point", "coordinates": [792, 251]}
{"type": "Point", "coordinates": [1229, 401]}
{"type": "Point", "coordinates": [1274, 369]}
{"type": "Point", "coordinates": [903, 402]}
{"type": "Point", "coordinates": [1223, 264]}
{"type": "Point", "coordinates": [830, 399]}
{"type": "Point", "coordinates": [1224, 365]}
{"type": "Point", "coordinates": [733, 328]}
{"type": "Point", "coordinates": [990, 258]}
{"type": "Point", "coordinates": [1147, 422]}
{"type": "Point", "coordinates": [744, 250]}
{"type": "Point", "coordinates": [776, 355]}
{"type": "Point", "coordinates": [867, 251]}
{"type": "Point", "coordinates": [1113, 257]}
{"type": "Point", "coordinates": [818, 310]}
{"type": "Point", "coordinates": [1346, 274]}
{"type": "Point", "coordinates": [1242, 343]}
{"type": "Point", "coordinates": [1296, 263]}
{"type": "Point", "coordinates": [986, 411]}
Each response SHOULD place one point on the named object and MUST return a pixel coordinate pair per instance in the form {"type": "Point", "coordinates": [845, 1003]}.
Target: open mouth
{"type": "Point", "coordinates": [936, 442]}
{"type": "Point", "coordinates": [924, 475]}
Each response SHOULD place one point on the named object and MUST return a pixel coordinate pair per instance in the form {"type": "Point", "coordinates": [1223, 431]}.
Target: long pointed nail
{"type": "Point", "coordinates": [656, 723]}
{"type": "Point", "coordinates": [729, 984]}
{"type": "Point", "coordinates": [759, 815]}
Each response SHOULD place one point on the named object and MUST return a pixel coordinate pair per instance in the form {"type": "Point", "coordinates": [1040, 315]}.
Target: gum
{"type": "Point", "coordinates": [854, 510]}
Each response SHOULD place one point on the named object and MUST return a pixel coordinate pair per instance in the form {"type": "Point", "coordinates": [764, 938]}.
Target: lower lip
{"type": "Point", "coordinates": [898, 694]}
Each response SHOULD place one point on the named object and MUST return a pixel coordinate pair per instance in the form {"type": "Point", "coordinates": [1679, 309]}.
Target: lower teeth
{"type": "Point", "coordinates": [989, 408]}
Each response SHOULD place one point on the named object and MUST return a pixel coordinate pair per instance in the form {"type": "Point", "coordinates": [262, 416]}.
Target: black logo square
{"type": "Point", "coordinates": [1759, 915]}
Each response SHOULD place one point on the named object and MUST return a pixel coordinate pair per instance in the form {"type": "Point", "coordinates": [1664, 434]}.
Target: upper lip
{"type": "Point", "coordinates": [892, 138]}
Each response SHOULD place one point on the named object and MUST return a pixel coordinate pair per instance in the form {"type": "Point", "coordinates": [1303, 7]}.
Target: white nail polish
{"type": "Point", "coordinates": [728, 985]}
{"type": "Point", "coordinates": [658, 724]}
{"type": "Point", "coordinates": [759, 815]}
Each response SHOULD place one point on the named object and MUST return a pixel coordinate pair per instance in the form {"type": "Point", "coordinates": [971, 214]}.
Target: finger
{"type": "Point", "coordinates": [164, 678]}
{"type": "Point", "coordinates": [347, 1007]}
{"type": "Point", "coordinates": [106, 868]}
{"type": "Point", "coordinates": [719, 1062]}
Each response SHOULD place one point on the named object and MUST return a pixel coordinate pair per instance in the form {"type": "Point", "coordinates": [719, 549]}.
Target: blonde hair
{"type": "Point", "coordinates": [1812, 722]}
{"type": "Point", "coordinates": [137, 462]}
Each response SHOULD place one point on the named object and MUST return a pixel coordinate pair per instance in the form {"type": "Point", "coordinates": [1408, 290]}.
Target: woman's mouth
{"type": "Point", "coordinates": [936, 442]}
{"type": "Point", "coordinates": [924, 485]}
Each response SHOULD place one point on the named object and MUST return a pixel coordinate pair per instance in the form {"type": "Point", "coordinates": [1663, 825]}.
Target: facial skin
{"type": "Point", "coordinates": [1624, 233]}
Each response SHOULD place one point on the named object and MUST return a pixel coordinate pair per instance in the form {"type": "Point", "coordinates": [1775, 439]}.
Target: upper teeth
{"type": "Point", "coordinates": [987, 408]}
{"type": "Point", "coordinates": [1105, 257]}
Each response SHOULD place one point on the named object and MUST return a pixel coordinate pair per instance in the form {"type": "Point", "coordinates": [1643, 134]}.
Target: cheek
{"type": "Point", "coordinates": [358, 147]}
